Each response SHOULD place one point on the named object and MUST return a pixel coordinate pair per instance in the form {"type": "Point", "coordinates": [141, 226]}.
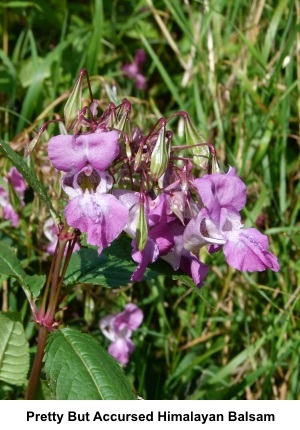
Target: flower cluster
{"type": "Point", "coordinates": [118, 328]}
{"type": "Point", "coordinates": [15, 181]}
{"type": "Point", "coordinates": [119, 178]}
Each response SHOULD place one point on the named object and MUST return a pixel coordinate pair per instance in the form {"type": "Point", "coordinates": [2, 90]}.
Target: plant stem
{"type": "Point", "coordinates": [37, 364]}
{"type": "Point", "coordinates": [47, 319]}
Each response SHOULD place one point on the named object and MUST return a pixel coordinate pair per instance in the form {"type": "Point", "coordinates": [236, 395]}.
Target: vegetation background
{"type": "Point", "coordinates": [234, 66]}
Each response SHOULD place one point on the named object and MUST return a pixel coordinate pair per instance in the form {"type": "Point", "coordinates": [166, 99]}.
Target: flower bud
{"type": "Point", "coordinates": [142, 227]}
{"type": "Point", "coordinates": [193, 138]}
{"type": "Point", "coordinates": [74, 103]}
{"type": "Point", "coordinates": [161, 154]}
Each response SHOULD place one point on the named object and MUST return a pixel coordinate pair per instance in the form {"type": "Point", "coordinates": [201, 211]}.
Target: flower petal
{"type": "Point", "coordinates": [247, 250]}
{"type": "Point", "coordinates": [17, 181]}
{"type": "Point", "coordinates": [193, 267]}
{"type": "Point", "coordinates": [131, 318]}
{"type": "Point", "coordinates": [101, 216]}
{"type": "Point", "coordinates": [106, 326]}
{"type": "Point", "coordinates": [72, 153]}
{"type": "Point", "coordinates": [221, 190]}
{"type": "Point", "coordinates": [121, 350]}
{"type": "Point", "coordinates": [149, 254]}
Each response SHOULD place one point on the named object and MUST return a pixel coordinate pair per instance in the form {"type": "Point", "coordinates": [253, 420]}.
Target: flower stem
{"type": "Point", "coordinates": [46, 318]}
{"type": "Point", "coordinates": [37, 364]}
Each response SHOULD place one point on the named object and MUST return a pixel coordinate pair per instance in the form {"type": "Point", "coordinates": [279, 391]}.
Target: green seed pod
{"type": "Point", "coordinates": [123, 122]}
{"type": "Point", "coordinates": [30, 147]}
{"type": "Point", "coordinates": [161, 154]}
{"type": "Point", "coordinates": [138, 158]}
{"type": "Point", "coordinates": [193, 138]}
{"type": "Point", "coordinates": [142, 228]}
{"type": "Point", "coordinates": [74, 103]}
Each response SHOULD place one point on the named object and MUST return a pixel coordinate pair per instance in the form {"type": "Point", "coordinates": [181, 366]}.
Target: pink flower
{"type": "Point", "coordinates": [119, 328]}
{"type": "Point", "coordinates": [219, 223]}
{"type": "Point", "coordinates": [133, 70]}
{"type": "Point", "coordinates": [15, 179]}
{"type": "Point", "coordinates": [91, 209]}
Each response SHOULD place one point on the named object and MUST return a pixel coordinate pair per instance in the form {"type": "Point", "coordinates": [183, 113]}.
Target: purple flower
{"type": "Point", "coordinates": [91, 209]}
{"type": "Point", "coordinates": [15, 179]}
{"type": "Point", "coordinates": [71, 153]}
{"type": "Point", "coordinates": [133, 70]}
{"type": "Point", "coordinates": [244, 249]}
{"type": "Point", "coordinates": [219, 223]}
{"type": "Point", "coordinates": [118, 328]}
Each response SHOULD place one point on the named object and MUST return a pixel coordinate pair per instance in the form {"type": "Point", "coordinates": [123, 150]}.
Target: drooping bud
{"type": "Point", "coordinates": [161, 153]}
{"type": "Point", "coordinates": [142, 227]}
{"type": "Point", "coordinates": [194, 138]}
{"type": "Point", "coordinates": [74, 102]}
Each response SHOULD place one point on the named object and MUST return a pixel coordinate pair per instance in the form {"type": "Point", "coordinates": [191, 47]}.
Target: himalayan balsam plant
{"type": "Point", "coordinates": [124, 188]}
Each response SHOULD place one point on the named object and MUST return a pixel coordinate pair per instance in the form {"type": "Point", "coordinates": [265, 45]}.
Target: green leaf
{"type": "Point", "coordinates": [95, 44]}
{"type": "Point", "coordinates": [111, 269]}
{"type": "Point", "coordinates": [78, 368]}
{"type": "Point", "coordinates": [9, 263]}
{"type": "Point", "coordinates": [11, 266]}
{"type": "Point", "coordinates": [28, 175]}
{"type": "Point", "coordinates": [35, 283]}
{"type": "Point", "coordinates": [14, 349]}
{"type": "Point", "coordinates": [21, 4]}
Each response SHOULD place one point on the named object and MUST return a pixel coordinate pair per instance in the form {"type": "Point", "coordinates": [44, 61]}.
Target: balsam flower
{"type": "Point", "coordinates": [91, 209]}
{"type": "Point", "coordinates": [16, 181]}
{"type": "Point", "coordinates": [119, 328]}
{"type": "Point", "coordinates": [244, 249]}
{"type": "Point", "coordinates": [219, 223]}
{"type": "Point", "coordinates": [133, 70]}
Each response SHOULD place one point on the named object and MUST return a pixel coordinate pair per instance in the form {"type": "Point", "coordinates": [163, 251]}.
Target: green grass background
{"type": "Point", "coordinates": [234, 66]}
